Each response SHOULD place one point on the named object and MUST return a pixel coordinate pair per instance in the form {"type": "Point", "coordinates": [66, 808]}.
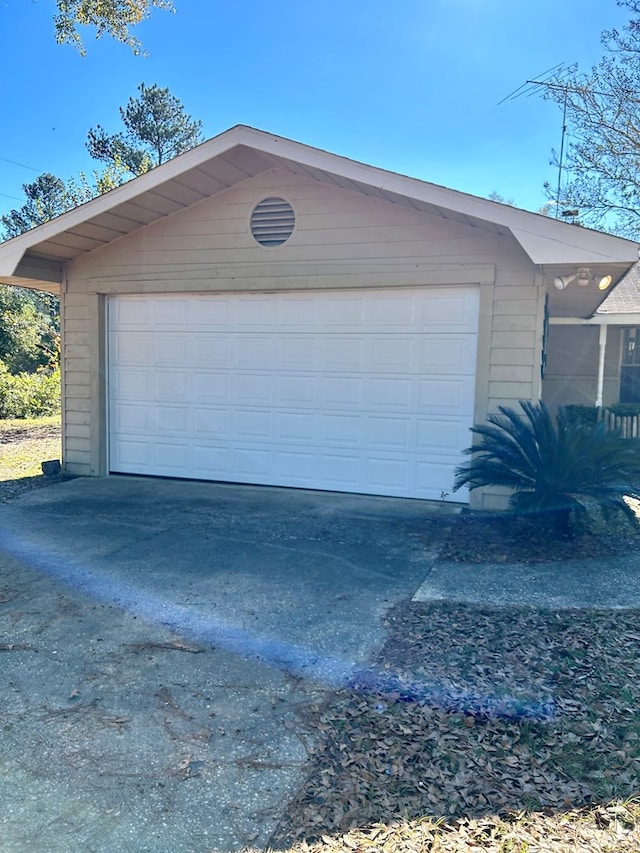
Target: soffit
{"type": "Point", "coordinates": [576, 300]}
{"type": "Point", "coordinates": [207, 180]}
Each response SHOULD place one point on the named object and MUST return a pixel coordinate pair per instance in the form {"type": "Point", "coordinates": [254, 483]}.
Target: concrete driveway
{"type": "Point", "coordinates": [158, 639]}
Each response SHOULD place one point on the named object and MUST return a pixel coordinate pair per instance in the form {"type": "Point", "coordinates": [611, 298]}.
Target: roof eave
{"type": "Point", "coordinates": [35, 273]}
{"type": "Point", "coordinates": [544, 240]}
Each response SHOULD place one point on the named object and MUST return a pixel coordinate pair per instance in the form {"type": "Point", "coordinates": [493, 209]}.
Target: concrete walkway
{"type": "Point", "coordinates": [605, 583]}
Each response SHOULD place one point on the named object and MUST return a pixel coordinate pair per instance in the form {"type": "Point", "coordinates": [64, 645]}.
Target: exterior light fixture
{"type": "Point", "coordinates": [562, 281]}
{"type": "Point", "coordinates": [604, 282]}
{"type": "Point", "coordinates": [582, 277]}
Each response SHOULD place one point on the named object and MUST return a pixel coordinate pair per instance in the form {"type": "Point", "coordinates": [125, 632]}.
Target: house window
{"type": "Point", "coordinates": [630, 366]}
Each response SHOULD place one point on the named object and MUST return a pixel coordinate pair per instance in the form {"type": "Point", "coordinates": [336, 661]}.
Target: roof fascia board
{"type": "Point", "coordinates": [579, 246]}
{"type": "Point", "coordinates": [598, 320]}
{"type": "Point", "coordinates": [630, 319]}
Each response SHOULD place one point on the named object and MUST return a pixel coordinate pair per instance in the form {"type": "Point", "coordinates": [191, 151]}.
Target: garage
{"type": "Point", "coordinates": [369, 391]}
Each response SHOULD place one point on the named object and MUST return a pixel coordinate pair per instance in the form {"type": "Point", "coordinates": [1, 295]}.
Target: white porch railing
{"type": "Point", "coordinates": [629, 425]}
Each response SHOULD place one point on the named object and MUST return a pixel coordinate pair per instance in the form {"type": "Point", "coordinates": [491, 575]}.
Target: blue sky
{"type": "Point", "coordinates": [412, 86]}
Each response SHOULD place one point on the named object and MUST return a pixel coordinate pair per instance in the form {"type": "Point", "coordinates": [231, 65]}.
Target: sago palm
{"type": "Point", "coordinates": [552, 468]}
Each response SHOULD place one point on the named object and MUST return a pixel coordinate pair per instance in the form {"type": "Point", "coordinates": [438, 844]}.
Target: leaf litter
{"type": "Point", "coordinates": [478, 537]}
{"type": "Point", "coordinates": [402, 767]}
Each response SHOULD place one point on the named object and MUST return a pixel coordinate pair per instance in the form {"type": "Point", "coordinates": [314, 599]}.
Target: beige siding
{"type": "Point", "coordinates": [76, 368]}
{"type": "Point", "coordinates": [341, 240]}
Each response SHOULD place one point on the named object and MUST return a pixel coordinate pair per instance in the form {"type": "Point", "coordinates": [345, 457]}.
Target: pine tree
{"type": "Point", "coordinates": [157, 128]}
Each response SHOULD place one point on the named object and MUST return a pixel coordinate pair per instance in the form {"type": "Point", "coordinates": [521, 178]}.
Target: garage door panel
{"type": "Point", "coordinates": [450, 396]}
{"type": "Point", "coordinates": [171, 349]}
{"type": "Point", "coordinates": [257, 349]}
{"type": "Point", "coordinates": [388, 394]}
{"type": "Point", "coordinates": [447, 354]}
{"type": "Point", "coordinates": [212, 460]}
{"type": "Point", "coordinates": [252, 425]}
{"type": "Point", "coordinates": [207, 313]}
{"type": "Point", "coordinates": [253, 312]}
{"type": "Point", "coordinates": [172, 419]}
{"type": "Point", "coordinates": [389, 474]}
{"type": "Point", "coordinates": [295, 466]}
{"type": "Point", "coordinates": [212, 351]}
{"type": "Point", "coordinates": [253, 464]}
{"type": "Point", "coordinates": [134, 313]}
{"type": "Point", "coordinates": [340, 311]}
{"type": "Point", "coordinates": [247, 388]}
{"type": "Point", "coordinates": [210, 387]}
{"type": "Point", "coordinates": [131, 418]}
{"type": "Point", "coordinates": [170, 313]}
{"type": "Point", "coordinates": [449, 313]}
{"type": "Point", "coordinates": [295, 351]}
{"type": "Point", "coordinates": [171, 454]}
{"type": "Point", "coordinates": [294, 426]}
{"type": "Point", "coordinates": [389, 310]}
{"type": "Point", "coordinates": [131, 384]}
{"type": "Point", "coordinates": [338, 429]}
{"type": "Point", "coordinates": [390, 355]}
{"type": "Point", "coordinates": [134, 454]}
{"type": "Point", "coordinates": [133, 349]}
{"type": "Point", "coordinates": [171, 384]}
{"type": "Point", "coordinates": [341, 354]}
{"type": "Point", "coordinates": [395, 433]}
{"type": "Point", "coordinates": [433, 478]}
{"type": "Point", "coordinates": [344, 471]}
{"type": "Point", "coordinates": [211, 423]}
{"type": "Point", "coordinates": [367, 392]}
{"type": "Point", "coordinates": [339, 392]}
{"type": "Point", "coordinates": [441, 436]}
{"type": "Point", "coordinates": [294, 390]}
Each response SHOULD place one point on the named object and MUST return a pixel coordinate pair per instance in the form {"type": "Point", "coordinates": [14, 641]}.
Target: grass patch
{"type": "Point", "coordinates": [11, 426]}
{"type": "Point", "coordinates": [24, 445]}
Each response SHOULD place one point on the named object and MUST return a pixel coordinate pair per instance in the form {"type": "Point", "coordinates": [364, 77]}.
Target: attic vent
{"type": "Point", "coordinates": [272, 222]}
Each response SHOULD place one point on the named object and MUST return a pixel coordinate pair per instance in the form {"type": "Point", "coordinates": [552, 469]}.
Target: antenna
{"type": "Point", "coordinates": [531, 87]}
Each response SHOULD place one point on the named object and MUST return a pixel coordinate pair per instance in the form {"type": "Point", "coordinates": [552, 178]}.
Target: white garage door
{"type": "Point", "coordinates": [356, 391]}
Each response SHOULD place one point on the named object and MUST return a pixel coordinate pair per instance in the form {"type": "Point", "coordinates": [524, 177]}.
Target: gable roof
{"type": "Point", "coordinates": [37, 258]}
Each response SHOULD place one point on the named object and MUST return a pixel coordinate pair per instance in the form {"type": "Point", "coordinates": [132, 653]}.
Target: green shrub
{"type": "Point", "coordinates": [625, 410]}
{"type": "Point", "coordinates": [552, 470]}
{"type": "Point", "coordinates": [29, 395]}
{"type": "Point", "coordinates": [584, 415]}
